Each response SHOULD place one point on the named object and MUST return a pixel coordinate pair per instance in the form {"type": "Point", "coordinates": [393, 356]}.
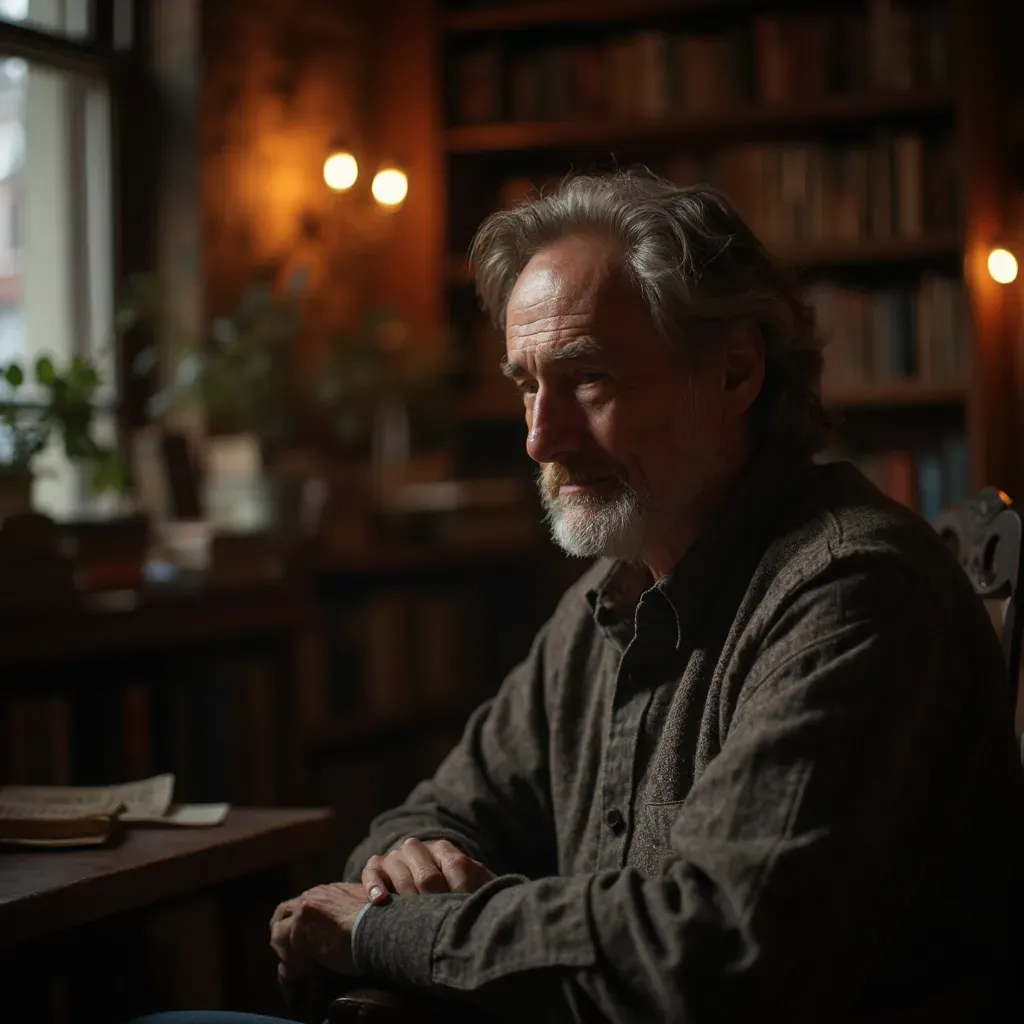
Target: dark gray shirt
{"type": "Point", "coordinates": [781, 782]}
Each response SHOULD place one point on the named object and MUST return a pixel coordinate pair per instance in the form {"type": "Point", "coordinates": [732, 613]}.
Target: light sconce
{"type": "Point", "coordinates": [389, 187]}
{"type": "Point", "coordinates": [1002, 266]}
{"type": "Point", "coordinates": [341, 169]}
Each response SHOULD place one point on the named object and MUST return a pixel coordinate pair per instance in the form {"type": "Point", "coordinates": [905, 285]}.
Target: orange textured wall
{"type": "Point", "coordinates": [283, 82]}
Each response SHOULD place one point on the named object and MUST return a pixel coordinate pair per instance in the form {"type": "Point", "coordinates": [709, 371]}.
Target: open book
{"type": "Point", "coordinates": [94, 815]}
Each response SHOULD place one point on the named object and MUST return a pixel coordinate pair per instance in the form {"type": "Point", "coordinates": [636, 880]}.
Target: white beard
{"type": "Point", "coordinates": [587, 527]}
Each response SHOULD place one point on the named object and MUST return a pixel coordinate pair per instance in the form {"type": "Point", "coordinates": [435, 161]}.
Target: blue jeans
{"type": "Point", "coordinates": [208, 1017]}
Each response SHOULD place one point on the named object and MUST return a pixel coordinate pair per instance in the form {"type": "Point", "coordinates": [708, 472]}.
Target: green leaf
{"type": "Point", "coordinates": [82, 374]}
{"type": "Point", "coordinates": [45, 372]}
{"type": "Point", "coordinates": [14, 375]}
{"type": "Point", "coordinates": [109, 472]}
{"type": "Point", "coordinates": [125, 319]}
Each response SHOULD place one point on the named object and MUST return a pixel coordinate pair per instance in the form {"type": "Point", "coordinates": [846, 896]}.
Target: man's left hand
{"type": "Point", "coordinates": [323, 919]}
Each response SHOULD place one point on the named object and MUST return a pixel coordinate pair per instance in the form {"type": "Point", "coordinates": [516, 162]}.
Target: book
{"type": "Point", "coordinates": [95, 815]}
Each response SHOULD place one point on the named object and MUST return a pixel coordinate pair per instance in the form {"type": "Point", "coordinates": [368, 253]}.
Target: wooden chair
{"type": "Point", "coordinates": [985, 535]}
{"type": "Point", "coordinates": [375, 1006]}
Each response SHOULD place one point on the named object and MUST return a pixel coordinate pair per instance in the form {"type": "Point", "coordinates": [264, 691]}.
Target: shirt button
{"type": "Point", "coordinates": [614, 820]}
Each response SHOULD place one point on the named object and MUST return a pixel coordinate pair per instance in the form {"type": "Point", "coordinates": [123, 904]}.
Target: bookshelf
{"type": "Point", "coordinates": [742, 122]}
{"type": "Point", "coordinates": [219, 685]}
{"type": "Point", "coordinates": [503, 16]}
{"type": "Point", "coordinates": [846, 101]}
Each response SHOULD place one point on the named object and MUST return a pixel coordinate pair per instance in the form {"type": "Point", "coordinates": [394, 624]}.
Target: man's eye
{"type": "Point", "coordinates": [592, 378]}
{"type": "Point", "coordinates": [527, 387]}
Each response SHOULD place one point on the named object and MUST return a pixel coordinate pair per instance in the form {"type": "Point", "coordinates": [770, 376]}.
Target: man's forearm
{"type": "Point", "coordinates": [518, 945]}
{"type": "Point", "coordinates": [614, 947]}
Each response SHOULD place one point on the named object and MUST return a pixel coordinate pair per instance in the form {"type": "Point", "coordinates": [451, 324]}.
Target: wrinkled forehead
{"type": "Point", "coordinates": [576, 277]}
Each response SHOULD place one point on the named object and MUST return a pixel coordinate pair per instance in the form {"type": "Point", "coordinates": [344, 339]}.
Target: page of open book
{"type": "Point", "coordinates": [149, 798]}
{"type": "Point", "coordinates": [146, 799]}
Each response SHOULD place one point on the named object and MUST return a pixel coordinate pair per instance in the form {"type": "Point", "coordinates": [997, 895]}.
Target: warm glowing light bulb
{"type": "Point", "coordinates": [340, 171]}
{"type": "Point", "coordinates": [1002, 266]}
{"type": "Point", "coordinates": [390, 186]}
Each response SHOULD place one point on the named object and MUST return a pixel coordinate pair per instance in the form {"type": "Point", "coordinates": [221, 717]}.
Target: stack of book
{"type": "Point", "coordinates": [654, 74]}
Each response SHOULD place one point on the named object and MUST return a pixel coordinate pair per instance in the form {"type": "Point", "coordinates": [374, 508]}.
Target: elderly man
{"type": "Point", "coordinates": [759, 764]}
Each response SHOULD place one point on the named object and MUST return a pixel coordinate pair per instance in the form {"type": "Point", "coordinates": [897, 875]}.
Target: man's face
{"type": "Point", "coordinates": [625, 433]}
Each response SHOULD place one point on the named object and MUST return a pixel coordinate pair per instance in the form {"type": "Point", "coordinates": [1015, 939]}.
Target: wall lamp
{"type": "Point", "coordinates": [389, 187]}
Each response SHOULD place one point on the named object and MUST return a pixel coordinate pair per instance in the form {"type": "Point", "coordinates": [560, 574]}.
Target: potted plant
{"type": "Point", "coordinates": [54, 403]}
{"type": "Point", "coordinates": [239, 369]}
{"type": "Point", "coordinates": [243, 370]}
{"type": "Point", "coordinates": [381, 380]}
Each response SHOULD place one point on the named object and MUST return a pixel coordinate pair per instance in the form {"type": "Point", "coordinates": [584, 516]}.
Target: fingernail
{"type": "Point", "coordinates": [376, 892]}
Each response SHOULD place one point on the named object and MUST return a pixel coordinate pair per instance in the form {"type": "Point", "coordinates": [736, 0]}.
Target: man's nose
{"type": "Point", "coordinates": [553, 428]}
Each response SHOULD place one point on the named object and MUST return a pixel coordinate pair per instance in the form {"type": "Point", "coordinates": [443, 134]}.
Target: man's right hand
{"type": "Point", "coordinates": [434, 866]}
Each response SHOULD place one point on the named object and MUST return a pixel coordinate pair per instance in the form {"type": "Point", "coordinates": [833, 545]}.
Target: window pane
{"type": "Point", "coordinates": [68, 18]}
{"type": "Point", "coordinates": [55, 239]}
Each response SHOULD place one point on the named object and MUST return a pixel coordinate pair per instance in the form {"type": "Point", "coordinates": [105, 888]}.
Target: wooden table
{"type": "Point", "coordinates": [168, 919]}
{"type": "Point", "coordinates": [44, 893]}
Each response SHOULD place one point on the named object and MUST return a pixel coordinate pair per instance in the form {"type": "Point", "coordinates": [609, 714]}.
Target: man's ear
{"type": "Point", "coordinates": [744, 367]}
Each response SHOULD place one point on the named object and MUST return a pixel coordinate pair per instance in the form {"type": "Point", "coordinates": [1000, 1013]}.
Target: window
{"type": "Point", "coordinates": [68, 18]}
{"type": "Point", "coordinates": [56, 211]}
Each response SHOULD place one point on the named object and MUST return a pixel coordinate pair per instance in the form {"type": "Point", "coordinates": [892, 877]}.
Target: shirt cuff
{"type": "Point", "coordinates": [355, 928]}
{"type": "Point", "coordinates": [393, 942]}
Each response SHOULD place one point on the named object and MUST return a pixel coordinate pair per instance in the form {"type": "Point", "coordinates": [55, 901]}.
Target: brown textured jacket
{"type": "Point", "coordinates": [779, 784]}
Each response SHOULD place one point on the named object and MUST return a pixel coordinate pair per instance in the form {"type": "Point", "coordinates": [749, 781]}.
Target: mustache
{"type": "Point", "coordinates": [559, 474]}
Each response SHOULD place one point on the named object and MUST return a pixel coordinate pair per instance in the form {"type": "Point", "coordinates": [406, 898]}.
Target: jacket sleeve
{"type": "Point", "coordinates": [491, 795]}
{"type": "Point", "coordinates": [792, 859]}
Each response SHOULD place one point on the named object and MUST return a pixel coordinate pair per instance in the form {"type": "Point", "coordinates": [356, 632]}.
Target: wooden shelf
{"type": "Point", "coordinates": [746, 122]}
{"type": "Point", "coordinates": [946, 246]}
{"type": "Point", "coordinates": [581, 12]}
{"type": "Point", "coordinates": [872, 251]}
{"type": "Point", "coordinates": [157, 618]}
{"type": "Point", "coordinates": [896, 393]}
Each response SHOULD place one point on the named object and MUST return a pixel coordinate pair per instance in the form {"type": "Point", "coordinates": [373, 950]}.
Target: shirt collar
{"type": "Point", "coordinates": [743, 520]}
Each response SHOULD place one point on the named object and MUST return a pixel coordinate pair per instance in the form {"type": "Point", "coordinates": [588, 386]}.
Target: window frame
{"type": "Point", "coordinates": [94, 57]}
{"type": "Point", "coordinates": [124, 70]}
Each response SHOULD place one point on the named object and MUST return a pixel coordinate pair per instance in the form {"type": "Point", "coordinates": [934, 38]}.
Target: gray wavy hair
{"type": "Point", "coordinates": [699, 268]}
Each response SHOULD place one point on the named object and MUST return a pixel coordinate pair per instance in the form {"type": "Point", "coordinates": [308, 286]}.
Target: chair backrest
{"type": "Point", "coordinates": [986, 535]}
